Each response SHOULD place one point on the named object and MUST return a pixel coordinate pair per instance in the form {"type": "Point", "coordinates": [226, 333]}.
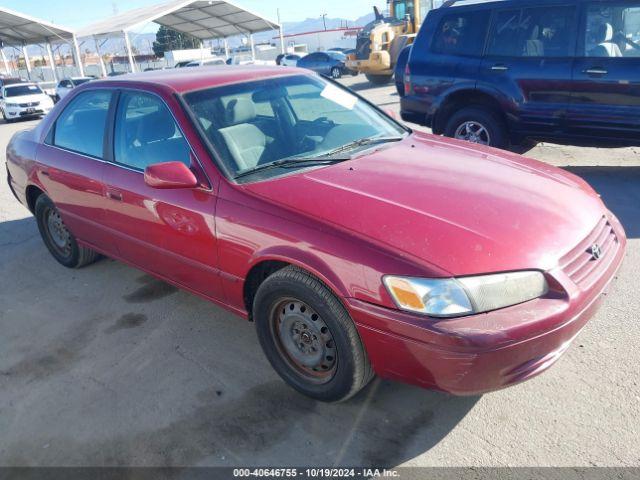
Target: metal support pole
{"type": "Point", "coordinates": [127, 43]}
{"type": "Point", "coordinates": [77, 56]}
{"type": "Point", "coordinates": [226, 48]}
{"type": "Point", "coordinates": [253, 47]}
{"type": "Point", "coordinates": [282, 49]}
{"type": "Point", "coordinates": [26, 60]}
{"type": "Point", "coordinates": [5, 62]}
{"type": "Point", "coordinates": [52, 61]}
{"type": "Point", "coordinates": [102, 66]}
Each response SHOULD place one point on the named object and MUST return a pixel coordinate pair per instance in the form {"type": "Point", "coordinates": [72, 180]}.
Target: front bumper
{"type": "Point", "coordinates": [22, 112]}
{"type": "Point", "coordinates": [486, 352]}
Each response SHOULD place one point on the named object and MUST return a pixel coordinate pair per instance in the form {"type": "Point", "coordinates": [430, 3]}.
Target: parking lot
{"type": "Point", "coordinates": [108, 366]}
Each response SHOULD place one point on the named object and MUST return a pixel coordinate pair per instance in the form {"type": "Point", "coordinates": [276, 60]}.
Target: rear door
{"type": "Point", "coordinates": [71, 163]}
{"type": "Point", "coordinates": [451, 59]}
{"type": "Point", "coordinates": [168, 232]}
{"type": "Point", "coordinates": [606, 98]}
{"type": "Point", "coordinates": [528, 65]}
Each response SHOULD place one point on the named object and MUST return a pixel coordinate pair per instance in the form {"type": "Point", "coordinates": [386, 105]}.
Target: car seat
{"type": "Point", "coordinates": [245, 141]}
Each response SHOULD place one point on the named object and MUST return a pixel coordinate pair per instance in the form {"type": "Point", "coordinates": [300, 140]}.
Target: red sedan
{"type": "Point", "coordinates": [354, 244]}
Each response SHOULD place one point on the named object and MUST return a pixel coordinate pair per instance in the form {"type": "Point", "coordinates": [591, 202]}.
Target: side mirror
{"type": "Point", "coordinates": [170, 175]}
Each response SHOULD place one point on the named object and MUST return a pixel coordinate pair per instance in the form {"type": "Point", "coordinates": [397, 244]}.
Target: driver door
{"type": "Point", "coordinates": [606, 79]}
{"type": "Point", "coordinates": [170, 233]}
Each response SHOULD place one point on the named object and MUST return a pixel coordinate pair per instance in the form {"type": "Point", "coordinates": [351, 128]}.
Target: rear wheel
{"type": "Point", "coordinates": [57, 237]}
{"type": "Point", "coordinates": [309, 338]}
{"type": "Point", "coordinates": [336, 73]}
{"type": "Point", "coordinates": [478, 125]}
{"type": "Point", "coordinates": [379, 79]}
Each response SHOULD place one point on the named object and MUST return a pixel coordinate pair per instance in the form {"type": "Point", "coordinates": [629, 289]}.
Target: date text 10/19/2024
{"type": "Point", "coordinates": [314, 473]}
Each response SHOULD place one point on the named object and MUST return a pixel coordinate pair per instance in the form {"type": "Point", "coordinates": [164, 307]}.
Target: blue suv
{"type": "Point", "coordinates": [502, 72]}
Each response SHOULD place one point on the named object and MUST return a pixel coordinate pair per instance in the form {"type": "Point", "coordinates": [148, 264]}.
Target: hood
{"type": "Point", "coordinates": [466, 209]}
{"type": "Point", "coordinates": [37, 97]}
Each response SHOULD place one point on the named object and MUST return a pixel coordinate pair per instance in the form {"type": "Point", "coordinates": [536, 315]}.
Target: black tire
{"type": "Point", "coordinates": [494, 125]}
{"type": "Point", "coordinates": [350, 368]}
{"type": "Point", "coordinates": [379, 79]}
{"type": "Point", "coordinates": [71, 255]}
{"type": "Point", "coordinates": [336, 73]}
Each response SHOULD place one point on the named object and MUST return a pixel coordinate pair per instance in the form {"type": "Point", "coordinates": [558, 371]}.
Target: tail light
{"type": "Point", "coordinates": [407, 80]}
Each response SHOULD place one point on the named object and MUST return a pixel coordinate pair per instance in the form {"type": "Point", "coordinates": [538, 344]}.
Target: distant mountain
{"type": "Point", "coordinates": [315, 24]}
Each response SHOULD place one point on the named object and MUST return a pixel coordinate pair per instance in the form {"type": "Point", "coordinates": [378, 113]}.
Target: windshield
{"type": "Point", "coordinates": [404, 8]}
{"type": "Point", "coordinates": [261, 122]}
{"type": "Point", "coordinates": [337, 55]}
{"type": "Point", "coordinates": [20, 90]}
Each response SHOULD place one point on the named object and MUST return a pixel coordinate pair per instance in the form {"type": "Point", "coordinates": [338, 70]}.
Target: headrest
{"type": "Point", "coordinates": [609, 36]}
{"type": "Point", "coordinates": [604, 33]}
{"type": "Point", "coordinates": [157, 126]}
{"type": "Point", "coordinates": [240, 110]}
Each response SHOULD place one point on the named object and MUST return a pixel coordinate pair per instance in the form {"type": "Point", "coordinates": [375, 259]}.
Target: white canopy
{"type": "Point", "coordinates": [19, 29]}
{"type": "Point", "coordinates": [203, 19]}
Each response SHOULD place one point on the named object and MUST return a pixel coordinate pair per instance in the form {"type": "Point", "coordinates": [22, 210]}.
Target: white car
{"type": "Point", "coordinates": [290, 60]}
{"type": "Point", "coordinates": [68, 84]}
{"type": "Point", "coordinates": [206, 63]}
{"type": "Point", "coordinates": [21, 100]}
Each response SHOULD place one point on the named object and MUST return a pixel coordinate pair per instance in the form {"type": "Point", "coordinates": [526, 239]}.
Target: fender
{"type": "Point", "coordinates": [306, 260]}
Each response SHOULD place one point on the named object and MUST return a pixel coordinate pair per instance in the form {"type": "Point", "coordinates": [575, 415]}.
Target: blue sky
{"type": "Point", "coordinates": [77, 13]}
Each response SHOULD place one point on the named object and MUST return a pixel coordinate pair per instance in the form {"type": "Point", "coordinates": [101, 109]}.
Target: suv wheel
{"type": "Point", "coordinates": [57, 237]}
{"type": "Point", "coordinates": [309, 338]}
{"type": "Point", "coordinates": [477, 125]}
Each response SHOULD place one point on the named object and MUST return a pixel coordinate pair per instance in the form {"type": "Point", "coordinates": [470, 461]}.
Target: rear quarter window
{"type": "Point", "coordinates": [461, 33]}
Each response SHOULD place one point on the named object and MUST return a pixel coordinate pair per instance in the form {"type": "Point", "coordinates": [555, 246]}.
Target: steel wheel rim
{"type": "Point", "coordinates": [473, 132]}
{"type": "Point", "coordinates": [58, 233]}
{"type": "Point", "coordinates": [304, 340]}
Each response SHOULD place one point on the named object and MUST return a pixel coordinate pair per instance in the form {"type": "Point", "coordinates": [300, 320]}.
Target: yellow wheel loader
{"type": "Point", "coordinates": [381, 41]}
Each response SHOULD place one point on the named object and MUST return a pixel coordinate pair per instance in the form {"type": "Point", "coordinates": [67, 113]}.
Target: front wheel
{"type": "Point", "coordinates": [336, 73]}
{"type": "Point", "coordinates": [309, 338]}
{"type": "Point", "coordinates": [57, 237]}
{"type": "Point", "coordinates": [379, 79]}
{"type": "Point", "coordinates": [478, 125]}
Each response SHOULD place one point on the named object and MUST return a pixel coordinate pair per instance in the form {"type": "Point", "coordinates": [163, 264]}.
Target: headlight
{"type": "Point", "coordinates": [456, 297]}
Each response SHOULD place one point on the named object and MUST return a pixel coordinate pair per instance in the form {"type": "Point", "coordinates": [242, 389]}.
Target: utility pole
{"type": "Point", "coordinates": [324, 21]}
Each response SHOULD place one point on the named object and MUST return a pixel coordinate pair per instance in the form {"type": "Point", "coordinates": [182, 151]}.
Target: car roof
{"type": "Point", "coordinates": [184, 80]}
{"type": "Point", "coordinates": [21, 84]}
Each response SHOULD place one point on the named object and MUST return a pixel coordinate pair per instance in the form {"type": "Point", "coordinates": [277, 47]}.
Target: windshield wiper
{"type": "Point", "coordinates": [363, 142]}
{"type": "Point", "coordinates": [288, 162]}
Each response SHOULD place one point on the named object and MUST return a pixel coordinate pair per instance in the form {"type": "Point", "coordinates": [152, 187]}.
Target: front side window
{"type": "Point", "coordinates": [461, 34]}
{"type": "Point", "coordinates": [256, 123]}
{"type": "Point", "coordinates": [146, 133]}
{"type": "Point", "coordinates": [82, 124]}
{"type": "Point", "coordinates": [534, 32]}
{"type": "Point", "coordinates": [613, 30]}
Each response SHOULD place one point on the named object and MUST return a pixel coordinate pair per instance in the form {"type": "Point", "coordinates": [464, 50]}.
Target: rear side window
{"type": "Point", "coordinates": [534, 32]}
{"type": "Point", "coordinates": [82, 124]}
{"type": "Point", "coordinates": [146, 133]}
{"type": "Point", "coordinates": [461, 33]}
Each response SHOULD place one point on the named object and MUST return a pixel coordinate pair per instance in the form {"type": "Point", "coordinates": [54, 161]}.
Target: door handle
{"type": "Point", "coordinates": [117, 196]}
{"type": "Point", "coordinates": [595, 71]}
{"type": "Point", "coordinates": [499, 68]}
